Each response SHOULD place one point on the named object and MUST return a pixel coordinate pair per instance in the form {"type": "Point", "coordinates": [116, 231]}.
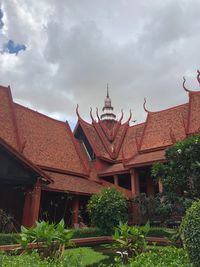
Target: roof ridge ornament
{"type": "Point", "coordinates": [198, 76]}
{"type": "Point", "coordinates": [77, 112]}
{"type": "Point", "coordinates": [122, 115]}
{"type": "Point", "coordinates": [91, 116]}
{"type": "Point", "coordinates": [97, 113]}
{"type": "Point", "coordinates": [184, 81]}
{"type": "Point", "coordinates": [144, 106]}
{"type": "Point", "coordinates": [184, 87]}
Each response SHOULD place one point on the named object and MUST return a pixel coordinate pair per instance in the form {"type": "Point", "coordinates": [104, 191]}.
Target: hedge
{"type": "Point", "coordinates": [8, 239]}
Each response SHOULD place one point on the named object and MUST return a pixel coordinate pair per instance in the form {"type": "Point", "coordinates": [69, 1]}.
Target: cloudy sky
{"type": "Point", "coordinates": [57, 54]}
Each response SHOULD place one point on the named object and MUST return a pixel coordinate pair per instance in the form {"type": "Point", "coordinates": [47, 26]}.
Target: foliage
{"type": "Point", "coordinates": [191, 232]}
{"type": "Point", "coordinates": [131, 239]}
{"type": "Point", "coordinates": [156, 208]}
{"type": "Point", "coordinates": [76, 257]}
{"type": "Point", "coordinates": [6, 222]}
{"type": "Point", "coordinates": [8, 239]}
{"type": "Point", "coordinates": [162, 257]}
{"type": "Point", "coordinates": [54, 238]}
{"type": "Point", "coordinates": [107, 208]}
{"type": "Point", "coordinates": [87, 232]}
{"type": "Point", "coordinates": [180, 175]}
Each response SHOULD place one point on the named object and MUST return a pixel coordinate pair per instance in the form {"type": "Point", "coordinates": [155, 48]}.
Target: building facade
{"type": "Point", "coordinates": [49, 172]}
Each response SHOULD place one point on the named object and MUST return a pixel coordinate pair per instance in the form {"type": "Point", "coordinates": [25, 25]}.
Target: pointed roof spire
{"type": "Point", "coordinates": [108, 91]}
{"type": "Point", "coordinates": [107, 108]}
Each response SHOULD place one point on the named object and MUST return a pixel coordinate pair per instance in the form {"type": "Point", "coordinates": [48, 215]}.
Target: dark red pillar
{"type": "Point", "coordinates": [31, 206]}
{"type": "Point", "coordinates": [75, 210]}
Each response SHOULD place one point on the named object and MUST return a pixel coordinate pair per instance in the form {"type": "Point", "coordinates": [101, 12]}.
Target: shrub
{"type": "Point", "coordinates": [107, 209]}
{"type": "Point", "coordinates": [165, 257]}
{"type": "Point", "coordinates": [8, 239]}
{"type": "Point", "coordinates": [191, 232]}
{"type": "Point", "coordinates": [131, 239]}
{"type": "Point", "coordinates": [54, 238]}
{"type": "Point", "coordinates": [87, 232]}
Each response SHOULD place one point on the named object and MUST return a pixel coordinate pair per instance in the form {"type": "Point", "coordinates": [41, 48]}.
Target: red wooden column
{"type": "Point", "coordinates": [75, 210]}
{"type": "Point", "coordinates": [31, 205]}
{"type": "Point", "coordinates": [116, 181]}
{"type": "Point", "coordinates": [134, 183]}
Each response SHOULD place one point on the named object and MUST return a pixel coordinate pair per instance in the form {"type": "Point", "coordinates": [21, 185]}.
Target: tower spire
{"type": "Point", "coordinates": [107, 108]}
{"type": "Point", "coordinates": [107, 90]}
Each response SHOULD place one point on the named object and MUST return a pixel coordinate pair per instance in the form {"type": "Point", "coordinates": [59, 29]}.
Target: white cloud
{"type": "Point", "coordinates": [142, 49]}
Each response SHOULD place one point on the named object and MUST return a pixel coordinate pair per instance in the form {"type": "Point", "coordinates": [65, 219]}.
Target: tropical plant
{"type": "Point", "coordinates": [190, 229]}
{"type": "Point", "coordinates": [51, 238]}
{"type": "Point", "coordinates": [107, 208]}
{"type": "Point", "coordinates": [131, 239]}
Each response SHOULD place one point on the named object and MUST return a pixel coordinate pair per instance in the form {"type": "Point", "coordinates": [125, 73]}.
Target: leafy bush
{"type": "Point", "coordinates": [34, 260]}
{"type": "Point", "coordinates": [54, 238]}
{"type": "Point", "coordinates": [180, 175]}
{"type": "Point", "coordinates": [131, 239]}
{"type": "Point", "coordinates": [87, 232]}
{"type": "Point", "coordinates": [107, 209]}
{"type": "Point", "coordinates": [165, 257]}
{"type": "Point", "coordinates": [161, 232]}
{"type": "Point", "coordinates": [161, 257]}
{"type": "Point", "coordinates": [8, 239]}
{"type": "Point", "coordinates": [191, 232]}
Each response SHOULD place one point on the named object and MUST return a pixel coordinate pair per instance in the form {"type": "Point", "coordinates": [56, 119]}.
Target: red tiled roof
{"type": "Point", "coordinates": [25, 161]}
{"type": "Point", "coordinates": [48, 142]}
{"type": "Point", "coordinates": [146, 158]}
{"type": "Point", "coordinates": [8, 130]}
{"type": "Point", "coordinates": [112, 169]}
{"type": "Point", "coordinates": [194, 112]}
{"type": "Point", "coordinates": [73, 184]}
{"type": "Point", "coordinates": [165, 127]}
{"type": "Point", "coordinates": [132, 140]}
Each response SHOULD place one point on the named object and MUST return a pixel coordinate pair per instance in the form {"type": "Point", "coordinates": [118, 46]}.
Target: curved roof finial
{"type": "Point", "coordinates": [91, 116]}
{"type": "Point", "coordinates": [120, 120]}
{"type": "Point", "coordinates": [144, 106]}
{"type": "Point", "coordinates": [107, 90]}
{"type": "Point", "coordinates": [77, 112]}
{"type": "Point", "coordinates": [184, 87]}
{"type": "Point", "coordinates": [97, 112]}
{"type": "Point", "coordinates": [198, 76]}
{"type": "Point", "coordinates": [130, 116]}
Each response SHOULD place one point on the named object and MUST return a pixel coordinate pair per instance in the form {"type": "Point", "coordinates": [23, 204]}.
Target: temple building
{"type": "Point", "coordinates": [49, 172]}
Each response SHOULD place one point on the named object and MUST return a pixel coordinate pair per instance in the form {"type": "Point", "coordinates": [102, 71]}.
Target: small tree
{"type": "Point", "coordinates": [107, 209]}
{"type": "Point", "coordinates": [181, 174]}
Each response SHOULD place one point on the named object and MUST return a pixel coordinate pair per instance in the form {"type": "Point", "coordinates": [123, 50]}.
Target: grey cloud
{"type": "Point", "coordinates": [75, 48]}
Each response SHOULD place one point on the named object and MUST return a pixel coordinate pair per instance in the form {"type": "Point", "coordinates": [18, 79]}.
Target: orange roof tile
{"type": "Point", "coordinates": [48, 142]}
{"type": "Point", "coordinates": [8, 130]}
{"type": "Point", "coordinates": [112, 169]}
{"type": "Point", "coordinates": [146, 158]}
{"type": "Point", "coordinates": [72, 184]}
{"type": "Point", "coordinates": [165, 127]}
{"type": "Point", "coordinates": [194, 112]}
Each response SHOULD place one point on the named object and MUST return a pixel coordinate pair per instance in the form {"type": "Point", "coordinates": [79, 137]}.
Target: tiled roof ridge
{"type": "Point", "coordinates": [111, 154]}
{"type": "Point", "coordinates": [39, 113]}
{"type": "Point", "coordinates": [80, 155]}
{"type": "Point", "coordinates": [11, 103]}
{"type": "Point", "coordinates": [126, 161]}
{"type": "Point", "coordinates": [167, 109]}
{"type": "Point", "coordinates": [62, 171]}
